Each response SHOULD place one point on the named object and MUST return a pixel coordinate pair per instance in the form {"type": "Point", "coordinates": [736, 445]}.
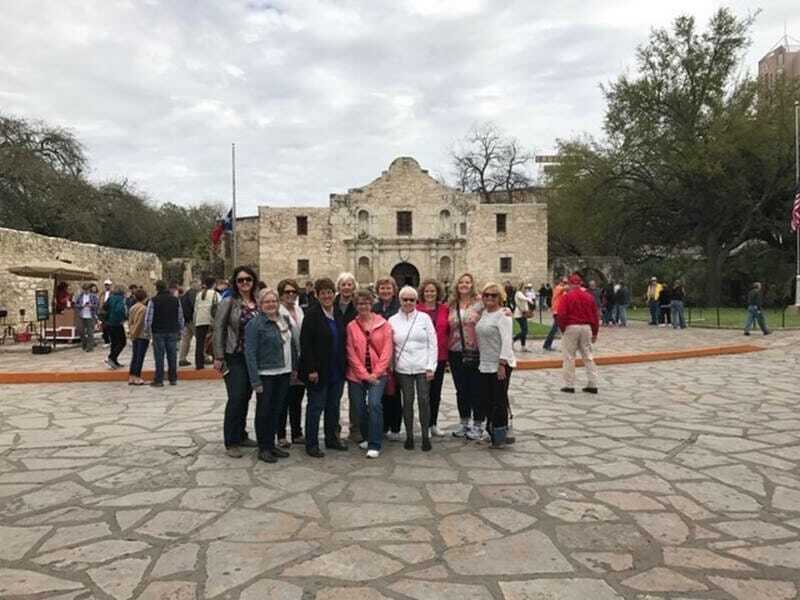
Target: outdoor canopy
{"type": "Point", "coordinates": [61, 271]}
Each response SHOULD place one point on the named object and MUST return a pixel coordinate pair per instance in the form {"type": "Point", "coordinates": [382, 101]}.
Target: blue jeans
{"type": "Point", "coordinates": [323, 398]}
{"type": "Point", "coordinates": [269, 405]}
{"type": "Point", "coordinates": [166, 343]}
{"type": "Point", "coordinates": [754, 314]}
{"type": "Point", "coordinates": [137, 360]}
{"type": "Point", "coordinates": [621, 314]}
{"type": "Point", "coordinates": [548, 343]}
{"type": "Point", "coordinates": [654, 311]}
{"type": "Point", "coordinates": [368, 400]}
{"type": "Point", "coordinates": [522, 336]}
{"type": "Point", "coordinates": [676, 307]}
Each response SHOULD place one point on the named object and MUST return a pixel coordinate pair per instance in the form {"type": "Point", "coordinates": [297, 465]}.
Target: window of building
{"type": "Point", "coordinates": [363, 222]}
{"type": "Point", "coordinates": [444, 222]}
{"type": "Point", "coordinates": [303, 267]}
{"type": "Point", "coordinates": [505, 264]}
{"type": "Point", "coordinates": [463, 228]}
{"type": "Point", "coordinates": [404, 223]}
{"type": "Point", "coordinates": [501, 222]}
{"type": "Point", "coordinates": [302, 225]}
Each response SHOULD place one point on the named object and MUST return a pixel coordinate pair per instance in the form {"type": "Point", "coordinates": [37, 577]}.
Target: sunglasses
{"type": "Point", "coordinates": [244, 280]}
{"type": "Point", "coordinates": [290, 292]}
{"type": "Point", "coordinates": [490, 295]}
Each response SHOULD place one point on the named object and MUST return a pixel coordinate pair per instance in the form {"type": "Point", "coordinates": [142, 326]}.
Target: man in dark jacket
{"type": "Point", "coordinates": [164, 321]}
{"type": "Point", "coordinates": [187, 306]}
{"type": "Point", "coordinates": [755, 300]}
{"type": "Point", "coordinates": [579, 324]}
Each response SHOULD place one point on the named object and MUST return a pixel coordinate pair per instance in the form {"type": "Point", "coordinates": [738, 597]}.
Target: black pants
{"type": "Point", "coordinates": [436, 391]}
{"type": "Point", "coordinates": [465, 378]}
{"type": "Point", "coordinates": [106, 334]}
{"type": "Point", "coordinates": [292, 408]}
{"type": "Point", "coordinates": [269, 405]}
{"type": "Point", "coordinates": [522, 336]}
{"type": "Point", "coordinates": [117, 336]}
{"type": "Point", "coordinates": [494, 398]}
{"type": "Point", "coordinates": [392, 412]}
{"type": "Point", "coordinates": [237, 384]}
{"type": "Point", "coordinates": [200, 332]}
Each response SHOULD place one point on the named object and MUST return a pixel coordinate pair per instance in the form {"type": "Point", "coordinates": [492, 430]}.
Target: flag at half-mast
{"type": "Point", "coordinates": [222, 225]}
{"type": "Point", "coordinates": [795, 223]}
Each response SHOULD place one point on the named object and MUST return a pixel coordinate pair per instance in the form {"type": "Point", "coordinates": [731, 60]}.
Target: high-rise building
{"type": "Point", "coordinates": [781, 61]}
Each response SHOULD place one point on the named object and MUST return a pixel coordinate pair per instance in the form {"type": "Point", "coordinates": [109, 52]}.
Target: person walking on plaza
{"type": "Point", "coordinates": [293, 407]}
{"type": "Point", "coordinates": [494, 335]}
{"type": "Point", "coordinates": [387, 305]}
{"type": "Point", "coordinates": [543, 297]}
{"type": "Point", "coordinates": [755, 302]}
{"type": "Point", "coordinates": [577, 318]}
{"type": "Point", "coordinates": [415, 360]}
{"type": "Point", "coordinates": [651, 297]}
{"type": "Point", "coordinates": [139, 339]}
{"type": "Point", "coordinates": [115, 320]}
{"type": "Point", "coordinates": [462, 346]}
{"type": "Point", "coordinates": [187, 335]}
{"type": "Point", "coordinates": [622, 299]}
{"type": "Point", "coordinates": [432, 304]}
{"type": "Point", "coordinates": [164, 323]}
{"type": "Point", "coordinates": [522, 312]}
{"type": "Point", "coordinates": [270, 351]}
{"type": "Point", "coordinates": [369, 352]}
{"type": "Point", "coordinates": [664, 304]}
{"type": "Point", "coordinates": [678, 297]}
{"type": "Point", "coordinates": [609, 312]}
{"type": "Point", "coordinates": [233, 315]}
{"type": "Point", "coordinates": [206, 303]}
{"type": "Point", "coordinates": [557, 293]}
{"type": "Point", "coordinates": [130, 299]}
{"type": "Point", "coordinates": [103, 298]}
{"type": "Point", "coordinates": [87, 304]}
{"type": "Point", "coordinates": [322, 368]}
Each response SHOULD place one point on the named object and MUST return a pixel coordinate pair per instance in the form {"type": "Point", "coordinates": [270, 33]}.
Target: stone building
{"type": "Point", "coordinates": [407, 224]}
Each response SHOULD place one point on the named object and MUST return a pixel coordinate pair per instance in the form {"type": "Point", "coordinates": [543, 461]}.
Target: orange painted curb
{"type": "Point", "coordinates": [524, 365]}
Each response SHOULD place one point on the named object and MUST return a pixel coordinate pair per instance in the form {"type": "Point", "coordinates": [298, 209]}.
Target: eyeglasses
{"type": "Point", "coordinates": [244, 280]}
{"type": "Point", "coordinates": [408, 299]}
{"type": "Point", "coordinates": [290, 292]}
{"type": "Point", "coordinates": [487, 295]}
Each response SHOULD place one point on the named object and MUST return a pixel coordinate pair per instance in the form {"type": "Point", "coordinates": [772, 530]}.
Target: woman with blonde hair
{"type": "Point", "coordinates": [494, 333]}
{"type": "Point", "coordinates": [522, 312]}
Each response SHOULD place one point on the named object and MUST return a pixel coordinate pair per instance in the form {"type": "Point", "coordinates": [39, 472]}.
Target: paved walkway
{"type": "Point", "coordinates": [679, 480]}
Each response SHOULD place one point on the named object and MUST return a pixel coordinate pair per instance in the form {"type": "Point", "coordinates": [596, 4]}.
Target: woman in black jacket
{"type": "Point", "coordinates": [322, 366]}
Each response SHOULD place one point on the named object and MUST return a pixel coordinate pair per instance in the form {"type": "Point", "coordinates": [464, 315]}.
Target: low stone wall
{"type": "Point", "coordinates": [17, 248]}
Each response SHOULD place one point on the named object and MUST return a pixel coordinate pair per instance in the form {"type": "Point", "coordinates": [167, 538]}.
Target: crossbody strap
{"type": "Point", "coordinates": [460, 326]}
{"type": "Point", "coordinates": [408, 335]}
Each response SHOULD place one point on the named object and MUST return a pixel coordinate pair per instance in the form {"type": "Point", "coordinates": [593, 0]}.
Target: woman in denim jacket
{"type": "Point", "coordinates": [270, 351]}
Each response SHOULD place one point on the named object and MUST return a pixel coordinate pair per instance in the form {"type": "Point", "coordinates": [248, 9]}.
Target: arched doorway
{"type": "Point", "coordinates": [405, 273]}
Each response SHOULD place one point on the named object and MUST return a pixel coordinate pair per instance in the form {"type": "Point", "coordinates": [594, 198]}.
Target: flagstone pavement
{"type": "Point", "coordinates": [679, 480]}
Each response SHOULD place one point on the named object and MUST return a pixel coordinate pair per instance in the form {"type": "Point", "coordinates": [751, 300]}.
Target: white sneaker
{"type": "Point", "coordinates": [474, 433]}
{"type": "Point", "coordinates": [436, 431]}
{"type": "Point", "coordinates": [110, 364]}
{"type": "Point", "coordinates": [460, 431]}
{"type": "Point", "coordinates": [393, 437]}
{"type": "Point", "coordinates": [373, 453]}
{"type": "Point", "coordinates": [363, 445]}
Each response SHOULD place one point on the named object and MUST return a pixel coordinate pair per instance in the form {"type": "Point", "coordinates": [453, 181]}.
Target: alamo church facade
{"type": "Point", "coordinates": [404, 223]}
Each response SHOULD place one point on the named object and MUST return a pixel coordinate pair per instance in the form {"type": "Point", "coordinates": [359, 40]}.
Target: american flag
{"type": "Point", "coordinates": [796, 211]}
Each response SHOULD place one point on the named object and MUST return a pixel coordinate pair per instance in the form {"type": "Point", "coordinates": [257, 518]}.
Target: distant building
{"type": "Point", "coordinates": [783, 61]}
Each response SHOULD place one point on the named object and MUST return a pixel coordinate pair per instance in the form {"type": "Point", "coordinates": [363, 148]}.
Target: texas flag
{"type": "Point", "coordinates": [221, 226]}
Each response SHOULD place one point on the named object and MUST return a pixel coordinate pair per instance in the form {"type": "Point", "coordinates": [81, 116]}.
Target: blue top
{"type": "Point", "coordinates": [335, 374]}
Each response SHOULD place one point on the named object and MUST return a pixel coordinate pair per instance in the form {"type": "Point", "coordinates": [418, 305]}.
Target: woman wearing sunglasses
{"type": "Point", "coordinates": [293, 408]}
{"type": "Point", "coordinates": [233, 315]}
{"type": "Point", "coordinates": [494, 333]}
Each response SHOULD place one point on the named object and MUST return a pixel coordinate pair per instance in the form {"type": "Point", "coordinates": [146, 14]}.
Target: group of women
{"type": "Point", "coordinates": [391, 352]}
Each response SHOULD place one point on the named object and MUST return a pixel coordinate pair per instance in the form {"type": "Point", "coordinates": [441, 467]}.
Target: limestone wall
{"type": "Point", "coordinates": [17, 248]}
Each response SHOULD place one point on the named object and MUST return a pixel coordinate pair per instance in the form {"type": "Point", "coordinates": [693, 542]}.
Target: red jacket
{"type": "Point", "coordinates": [578, 308]}
{"type": "Point", "coordinates": [440, 317]}
{"type": "Point", "coordinates": [381, 348]}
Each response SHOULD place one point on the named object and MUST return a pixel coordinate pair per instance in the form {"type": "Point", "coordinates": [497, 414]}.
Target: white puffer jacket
{"type": "Point", "coordinates": [415, 348]}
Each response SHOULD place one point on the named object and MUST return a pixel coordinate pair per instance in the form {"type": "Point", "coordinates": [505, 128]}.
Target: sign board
{"type": "Point", "coordinates": [42, 305]}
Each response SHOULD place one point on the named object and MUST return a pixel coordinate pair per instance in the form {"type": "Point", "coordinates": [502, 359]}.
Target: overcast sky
{"type": "Point", "coordinates": [319, 96]}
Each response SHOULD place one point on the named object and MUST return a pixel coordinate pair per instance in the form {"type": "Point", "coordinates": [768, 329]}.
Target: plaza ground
{"type": "Point", "coordinates": [679, 479]}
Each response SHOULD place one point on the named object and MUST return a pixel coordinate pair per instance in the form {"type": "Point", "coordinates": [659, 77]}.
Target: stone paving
{"type": "Point", "coordinates": [679, 480]}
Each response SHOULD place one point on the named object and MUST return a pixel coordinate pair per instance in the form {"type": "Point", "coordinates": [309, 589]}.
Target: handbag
{"type": "Point", "coordinates": [469, 356]}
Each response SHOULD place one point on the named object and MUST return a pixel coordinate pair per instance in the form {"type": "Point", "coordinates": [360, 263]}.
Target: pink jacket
{"type": "Point", "coordinates": [439, 316]}
{"type": "Point", "coordinates": [381, 349]}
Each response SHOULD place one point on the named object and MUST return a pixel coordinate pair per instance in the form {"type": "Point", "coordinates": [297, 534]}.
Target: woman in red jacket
{"type": "Point", "coordinates": [369, 350]}
{"type": "Point", "coordinates": [432, 303]}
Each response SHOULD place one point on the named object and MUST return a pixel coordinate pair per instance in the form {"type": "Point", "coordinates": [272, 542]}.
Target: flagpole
{"type": "Point", "coordinates": [234, 245]}
{"type": "Point", "coordinates": [797, 190]}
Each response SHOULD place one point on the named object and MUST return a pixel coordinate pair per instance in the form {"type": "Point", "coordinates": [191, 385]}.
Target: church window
{"type": "Point", "coordinates": [303, 267]}
{"type": "Point", "coordinates": [302, 225]}
{"type": "Point", "coordinates": [501, 222]}
{"type": "Point", "coordinates": [404, 222]}
{"type": "Point", "coordinates": [444, 221]}
{"type": "Point", "coordinates": [363, 222]}
{"type": "Point", "coordinates": [463, 228]}
{"type": "Point", "coordinates": [505, 264]}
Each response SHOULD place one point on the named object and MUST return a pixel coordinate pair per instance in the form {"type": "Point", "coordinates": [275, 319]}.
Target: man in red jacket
{"type": "Point", "coordinates": [577, 319]}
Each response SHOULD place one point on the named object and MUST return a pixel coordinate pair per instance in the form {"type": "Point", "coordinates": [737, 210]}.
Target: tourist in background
{"type": "Point", "coordinates": [577, 318]}
{"type": "Point", "coordinates": [293, 407]}
{"type": "Point", "coordinates": [543, 297]}
{"type": "Point", "coordinates": [622, 299]}
{"type": "Point", "coordinates": [308, 297]}
{"type": "Point", "coordinates": [510, 295]}
{"type": "Point", "coordinates": [369, 352]}
{"type": "Point", "coordinates": [115, 320]}
{"type": "Point", "coordinates": [462, 346]}
{"type": "Point", "coordinates": [322, 367]}
{"type": "Point", "coordinates": [387, 306]}
{"type": "Point", "coordinates": [755, 302]}
{"type": "Point", "coordinates": [530, 295]}
{"type": "Point", "coordinates": [609, 313]}
{"type": "Point", "coordinates": [206, 303]}
{"type": "Point", "coordinates": [63, 297]}
{"type": "Point", "coordinates": [678, 298]}
{"type": "Point", "coordinates": [103, 298]}
{"type": "Point", "coordinates": [415, 360]}
{"type": "Point", "coordinates": [431, 296]}
{"type": "Point", "coordinates": [187, 334]}
{"type": "Point", "coordinates": [233, 315]}
{"type": "Point", "coordinates": [130, 299]}
{"type": "Point", "coordinates": [494, 335]}
{"type": "Point", "coordinates": [270, 351]}
{"type": "Point", "coordinates": [555, 300]}
{"type": "Point", "coordinates": [664, 304]}
{"type": "Point", "coordinates": [139, 339]}
{"type": "Point", "coordinates": [651, 297]}
{"type": "Point", "coordinates": [164, 322]}
{"type": "Point", "coordinates": [522, 312]}
{"type": "Point", "coordinates": [87, 304]}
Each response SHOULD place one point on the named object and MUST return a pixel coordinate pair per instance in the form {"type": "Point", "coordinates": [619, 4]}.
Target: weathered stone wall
{"type": "Point", "coordinates": [248, 236]}
{"type": "Point", "coordinates": [17, 248]}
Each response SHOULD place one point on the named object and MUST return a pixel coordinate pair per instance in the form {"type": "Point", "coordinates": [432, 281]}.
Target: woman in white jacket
{"type": "Point", "coordinates": [415, 359]}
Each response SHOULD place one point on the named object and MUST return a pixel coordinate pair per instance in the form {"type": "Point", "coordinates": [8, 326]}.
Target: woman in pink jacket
{"type": "Point", "coordinates": [369, 350]}
{"type": "Point", "coordinates": [432, 304]}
